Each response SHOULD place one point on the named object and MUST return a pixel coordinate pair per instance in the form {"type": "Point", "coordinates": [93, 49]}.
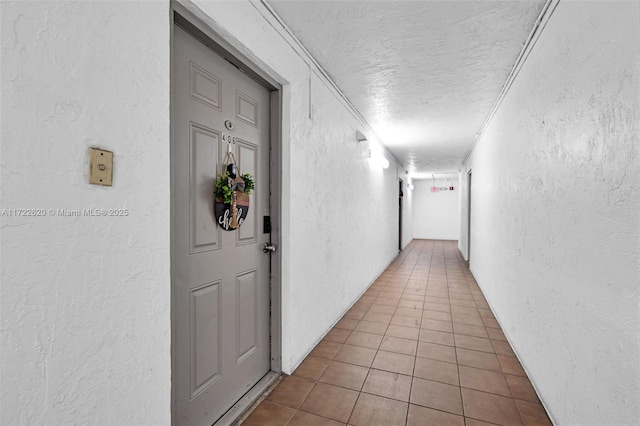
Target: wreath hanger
{"type": "Point", "coordinates": [232, 194]}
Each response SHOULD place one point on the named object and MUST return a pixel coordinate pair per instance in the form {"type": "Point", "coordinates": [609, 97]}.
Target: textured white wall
{"type": "Point", "coordinates": [85, 326]}
{"type": "Point", "coordinates": [555, 214]}
{"type": "Point", "coordinates": [436, 215]}
{"type": "Point", "coordinates": [85, 301]}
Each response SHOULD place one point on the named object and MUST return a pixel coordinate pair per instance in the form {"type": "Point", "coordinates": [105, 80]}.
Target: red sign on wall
{"type": "Point", "coordinates": [441, 188]}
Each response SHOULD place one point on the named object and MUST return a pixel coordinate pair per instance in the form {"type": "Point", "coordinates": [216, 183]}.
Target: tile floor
{"type": "Point", "coordinates": [420, 347]}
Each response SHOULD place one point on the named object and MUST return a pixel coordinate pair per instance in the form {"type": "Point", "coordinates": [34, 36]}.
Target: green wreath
{"type": "Point", "coordinates": [223, 191]}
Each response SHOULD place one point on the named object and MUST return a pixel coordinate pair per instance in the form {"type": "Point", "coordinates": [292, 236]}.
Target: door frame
{"type": "Point", "coordinates": [469, 216]}
{"type": "Point", "coordinates": [201, 26]}
{"type": "Point", "coordinates": [400, 208]}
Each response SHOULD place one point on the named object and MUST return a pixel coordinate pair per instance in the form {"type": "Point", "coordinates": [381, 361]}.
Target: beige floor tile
{"type": "Point", "coordinates": [330, 401]}
{"type": "Point", "coordinates": [376, 410]}
{"type": "Point", "coordinates": [394, 362]}
{"type": "Point", "coordinates": [421, 416]}
{"type": "Point", "coordinates": [387, 384]}
{"type": "Point", "coordinates": [269, 414]}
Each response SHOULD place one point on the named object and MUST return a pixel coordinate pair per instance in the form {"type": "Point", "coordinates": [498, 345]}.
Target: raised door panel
{"type": "Point", "coordinates": [204, 157]}
{"type": "Point", "coordinates": [204, 86]}
{"type": "Point", "coordinates": [205, 322]}
{"type": "Point", "coordinates": [248, 162]}
{"type": "Point", "coordinates": [246, 108]}
{"type": "Point", "coordinates": [246, 314]}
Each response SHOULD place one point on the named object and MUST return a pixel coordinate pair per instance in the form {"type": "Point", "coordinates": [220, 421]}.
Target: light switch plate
{"type": "Point", "coordinates": [100, 167]}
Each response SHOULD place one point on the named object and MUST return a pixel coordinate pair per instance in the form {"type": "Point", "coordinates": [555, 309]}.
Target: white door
{"type": "Point", "coordinates": [220, 279]}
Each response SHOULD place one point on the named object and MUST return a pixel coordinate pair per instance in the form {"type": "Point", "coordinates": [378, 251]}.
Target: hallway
{"type": "Point", "coordinates": [421, 346]}
{"type": "Point", "coordinates": [525, 113]}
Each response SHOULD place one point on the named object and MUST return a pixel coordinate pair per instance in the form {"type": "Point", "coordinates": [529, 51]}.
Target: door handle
{"type": "Point", "coordinates": [268, 247]}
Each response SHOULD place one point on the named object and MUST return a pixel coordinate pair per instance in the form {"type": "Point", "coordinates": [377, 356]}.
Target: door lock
{"type": "Point", "coordinates": [268, 247]}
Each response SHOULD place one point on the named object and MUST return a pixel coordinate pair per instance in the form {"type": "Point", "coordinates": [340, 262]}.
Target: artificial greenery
{"type": "Point", "coordinates": [223, 191]}
{"type": "Point", "coordinates": [249, 184]}
{"type": "Point", "coordinates": [222, 188]}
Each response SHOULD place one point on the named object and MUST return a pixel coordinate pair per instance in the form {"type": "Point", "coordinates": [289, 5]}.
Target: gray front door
{"type": "Point", "coordinates": [220, 279]}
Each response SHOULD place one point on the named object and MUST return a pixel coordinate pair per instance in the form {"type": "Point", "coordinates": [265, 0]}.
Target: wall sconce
{"type": "Point", "coordinates": [378, 159]}
{"type": "Point", "coordinates": [360, 137]}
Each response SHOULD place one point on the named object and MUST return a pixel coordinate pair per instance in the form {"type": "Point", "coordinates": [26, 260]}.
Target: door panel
{"type": "Point", "coordinates": [247, 109]}
{"type": "Point", "coordinates": [205, 336]}
{"type": "Point", "coordinates": [220, 279]}
{"type": "Point", "coordinates": [246, 300]}
{"type": "Point", "coordinates": [204, 86]}
{"type": "Point", "coordinates": [248, 157]}
{"type": "Point", "coordinates": [205, 150]}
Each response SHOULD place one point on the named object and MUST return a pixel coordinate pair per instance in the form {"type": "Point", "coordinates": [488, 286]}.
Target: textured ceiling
{"type": "Point", "coordinates": [424, 74]}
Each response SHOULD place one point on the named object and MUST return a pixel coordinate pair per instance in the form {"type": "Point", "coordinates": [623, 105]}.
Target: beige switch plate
{"type": "Point", "coordinates": [100, 167]}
